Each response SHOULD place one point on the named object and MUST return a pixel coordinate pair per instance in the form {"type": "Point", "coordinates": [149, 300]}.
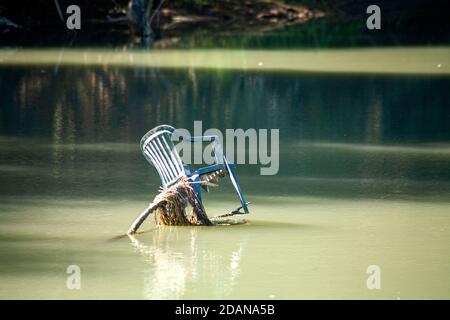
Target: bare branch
{"type": "Point", "coordinates": [58, 8]}
{"type": "Point", "coordinates": [156, 10]}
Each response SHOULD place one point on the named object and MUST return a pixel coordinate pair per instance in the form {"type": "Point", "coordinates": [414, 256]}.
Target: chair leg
{"type": "Point", "coordinates": [234, 181]}
{"type": "Point", "coordinates": [197, 186]}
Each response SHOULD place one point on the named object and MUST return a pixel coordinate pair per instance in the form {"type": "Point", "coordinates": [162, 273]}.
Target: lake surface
{"type": "Point", "coordinates": [364, 173]}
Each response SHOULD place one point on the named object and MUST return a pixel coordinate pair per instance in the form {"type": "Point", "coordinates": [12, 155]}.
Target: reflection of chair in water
{"type": "Point", "coordinates": [178, 262]}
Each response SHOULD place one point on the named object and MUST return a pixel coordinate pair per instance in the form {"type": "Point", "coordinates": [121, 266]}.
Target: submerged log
{"type": "Point", "coordinates": [170, 208]}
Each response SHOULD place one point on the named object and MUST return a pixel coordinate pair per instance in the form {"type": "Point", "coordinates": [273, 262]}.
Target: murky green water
{"type": "Point", "coordinates": [364, 174]}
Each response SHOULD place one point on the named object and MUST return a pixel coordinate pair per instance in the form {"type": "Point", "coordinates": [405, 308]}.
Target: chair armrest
{"type": "Point", "coordinates": [203, 138]}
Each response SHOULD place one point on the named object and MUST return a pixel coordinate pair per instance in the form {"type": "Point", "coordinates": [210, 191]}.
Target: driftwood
{"type": "Point", "coordinates": [170, 208]}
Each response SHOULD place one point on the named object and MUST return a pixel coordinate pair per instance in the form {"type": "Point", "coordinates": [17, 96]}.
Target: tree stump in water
{"type": "Point", "coordinates": [170, 208]}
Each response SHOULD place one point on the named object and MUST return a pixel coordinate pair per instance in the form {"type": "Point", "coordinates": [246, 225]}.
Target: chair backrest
{"type": "Point", "coordinates": [159, 150]}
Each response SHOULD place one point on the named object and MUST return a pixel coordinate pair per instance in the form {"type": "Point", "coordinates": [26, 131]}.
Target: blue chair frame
{"type": "Point", "coordinates": [159, 150]}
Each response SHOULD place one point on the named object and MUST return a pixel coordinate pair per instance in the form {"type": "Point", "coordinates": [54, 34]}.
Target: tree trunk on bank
{"type": "Point", "coordinates": [140, 15]}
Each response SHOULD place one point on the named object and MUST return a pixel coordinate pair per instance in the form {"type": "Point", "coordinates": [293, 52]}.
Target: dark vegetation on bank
{"type": "Point", "coordinates": [206, 23]}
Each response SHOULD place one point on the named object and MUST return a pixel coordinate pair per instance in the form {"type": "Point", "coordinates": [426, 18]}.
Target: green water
{"type": "Point", "coordinates": [364, 173]}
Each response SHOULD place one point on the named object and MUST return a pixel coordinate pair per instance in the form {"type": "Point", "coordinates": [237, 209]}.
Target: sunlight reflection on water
{"type": "Point", "coordinates": [414, 60]}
